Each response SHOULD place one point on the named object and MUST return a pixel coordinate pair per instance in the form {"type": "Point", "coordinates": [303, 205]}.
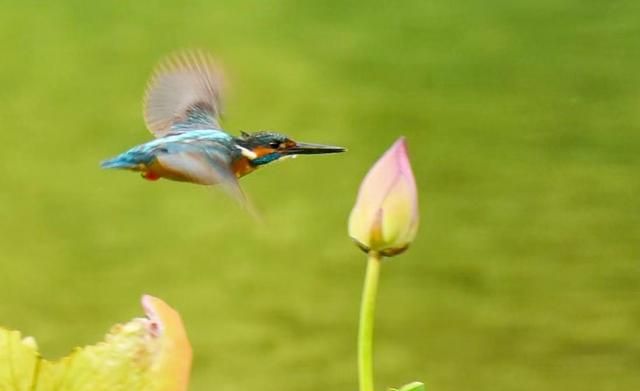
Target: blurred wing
{"type": "Point", "coordinates": [206, 167]}
{"type": "Point", "coordinates": [183, 94]}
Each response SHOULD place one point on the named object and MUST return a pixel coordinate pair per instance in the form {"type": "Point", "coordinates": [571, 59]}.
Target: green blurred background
{"type": "Point", "coordinates": [524, 130]}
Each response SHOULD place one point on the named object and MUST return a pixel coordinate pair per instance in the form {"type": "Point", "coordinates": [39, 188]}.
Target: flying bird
{"type": "Point", "coordinates": [182, 109]}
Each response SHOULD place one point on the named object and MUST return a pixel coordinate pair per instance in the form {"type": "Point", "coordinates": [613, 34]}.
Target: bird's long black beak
{"type": "Point", "coordinates": [312, 149]}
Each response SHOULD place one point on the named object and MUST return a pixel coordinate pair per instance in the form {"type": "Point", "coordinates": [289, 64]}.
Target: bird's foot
{"type": "Point", "coordinates": [150, 176]}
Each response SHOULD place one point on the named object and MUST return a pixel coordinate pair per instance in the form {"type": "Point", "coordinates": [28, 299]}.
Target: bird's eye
{"type": "Point", "coordinates": [274, 144]}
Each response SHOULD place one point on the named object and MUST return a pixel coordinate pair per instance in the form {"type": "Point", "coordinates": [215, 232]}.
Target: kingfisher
{"type": "Point", "coordinates": [182, 109]}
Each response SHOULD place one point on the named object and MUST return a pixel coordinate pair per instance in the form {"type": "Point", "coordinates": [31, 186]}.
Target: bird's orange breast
{"type": "Point", "coordinates": [156, 170]}
{"type": "Point", "coordinates": [242, 167]}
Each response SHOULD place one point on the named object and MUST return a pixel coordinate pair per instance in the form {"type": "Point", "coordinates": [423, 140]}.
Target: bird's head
{"type": "Point", "coordinates": [265, 147]}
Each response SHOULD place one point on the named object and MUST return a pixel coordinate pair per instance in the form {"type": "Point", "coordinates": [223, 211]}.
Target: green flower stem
{"type": "Point", "coordinates": [367, 315]}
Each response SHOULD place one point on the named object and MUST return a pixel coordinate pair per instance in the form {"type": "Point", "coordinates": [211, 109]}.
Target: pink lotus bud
{"type": "Point", "coordinates": [385, 217]}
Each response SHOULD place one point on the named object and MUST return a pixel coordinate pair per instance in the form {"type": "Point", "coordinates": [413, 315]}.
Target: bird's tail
{"type": "Point", "coordinates": [127, 161]}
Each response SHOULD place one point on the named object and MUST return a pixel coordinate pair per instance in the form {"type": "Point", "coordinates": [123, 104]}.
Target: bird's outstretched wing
{"type": "Point", "coordinates": [184, 94]}
{"type": "Point", "coordinates": [205, 166]}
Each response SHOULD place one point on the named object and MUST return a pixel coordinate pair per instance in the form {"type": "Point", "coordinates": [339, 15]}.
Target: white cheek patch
{"type": "Point", "coordinates": [247, 153]}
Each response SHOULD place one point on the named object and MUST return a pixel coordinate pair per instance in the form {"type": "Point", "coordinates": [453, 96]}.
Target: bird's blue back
{"type": "Point", "coordinates": [211, 139]}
